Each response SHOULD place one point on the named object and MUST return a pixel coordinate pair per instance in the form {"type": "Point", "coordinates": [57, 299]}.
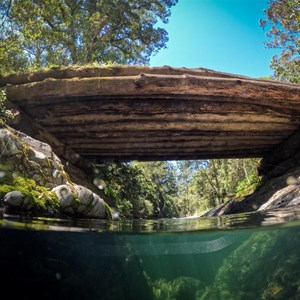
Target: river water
{"type": "Point", "coordinates": [245, 256]}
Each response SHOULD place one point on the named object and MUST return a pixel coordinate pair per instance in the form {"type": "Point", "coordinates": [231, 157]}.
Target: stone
{"type": "Point", "coordinates": [37, 157]}
{"type": "Point", "coordinates": [9, 146]}
{"type": "Point", "coordinates": [292, 180]}
{"type": "Point", "coordinates": [38, 179]}
{"type": "Point", "coordinates": [50, 185]}
{"type": "Point", "coordinates": [31, 159]}
{"type": "Point", "coordinates": [91, 205]}
{"type": "Point", "coordinates": [98, 208]}
{"type": "Point", "coordinates": [295, 201]}
{"type": "Point", "coordinates": [85, 195]}
{"type": "Point", "coordinates": [274, 193]}
{"type": "Point", "coordinates": [14, 198]}
{"type": "Point", "coordinates": [69, 211]}
{"type": "Point", "coordinates": [64, 195]}
{"type": "Point", "coordinates": [57, 176]}
{"type": "Point", "coordinates": [282, 198]}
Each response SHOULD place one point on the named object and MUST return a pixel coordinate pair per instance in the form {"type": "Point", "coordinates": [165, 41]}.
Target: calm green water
{"type": "Point", "coordinates": [247, 256]}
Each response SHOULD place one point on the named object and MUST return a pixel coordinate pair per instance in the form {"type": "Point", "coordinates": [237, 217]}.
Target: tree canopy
{"type": "Point", "coordinates": [283, 25]}
{"type": "Point", "coordinates": [39, 33]}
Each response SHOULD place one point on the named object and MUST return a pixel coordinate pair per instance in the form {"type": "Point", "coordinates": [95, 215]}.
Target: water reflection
{"type": "Point", "coordinates": [245, 220]}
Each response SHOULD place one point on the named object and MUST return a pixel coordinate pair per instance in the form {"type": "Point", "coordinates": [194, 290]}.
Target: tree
{"type": "Point", "coordinates": [160, 175]}
{"type": "Point", "coordinates": [39, 33]}
{"type": "Point", "coordinates": [209, 183]}
{"type": "Point", "coordinates": [283, 24]}
{"type": "Point", "coordinates": [140, 189]}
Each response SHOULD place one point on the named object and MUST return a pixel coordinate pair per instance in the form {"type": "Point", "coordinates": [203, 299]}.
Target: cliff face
{"type": "Point", "coordinates": [33, 181]}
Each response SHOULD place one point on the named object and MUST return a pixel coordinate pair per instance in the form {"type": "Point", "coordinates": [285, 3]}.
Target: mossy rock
{"type": "Point", "coordinates": [37, 197]}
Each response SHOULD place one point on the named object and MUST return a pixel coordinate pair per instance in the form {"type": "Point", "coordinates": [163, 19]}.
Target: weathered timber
{"type": "Point", "coordinates": [152, 125]}
{"type": "Point", "coordinates": [196, 144]}
{"type": "Point", "coordinates": [172, 150]}
{"type": "Point", "coordinates": [128, 112]}
{"type": "Point", "coordinates": [250, 91]}
{"type": "Point", "coordinates": [140, 141]}
{"type": "Point", "coordinates": [175, 134]}
{"type": "Point", "coordinates": [93, 118]}
{"type": "Point", "coordinates": [115, 157]}
{"type": "Point", "coordinates": [153, 106]}
{"type": "Point", "coordinates": [102, 71]}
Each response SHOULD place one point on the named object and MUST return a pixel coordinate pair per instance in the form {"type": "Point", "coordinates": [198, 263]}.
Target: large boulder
{"type": "Point", "coordinates": [277, 192]}
{"type": "Point", "coordinates": [33, 181]}
{"type": "Point", "coordinates": [288, 196]}
{"type": "Point", "coordinates": [81, 202]}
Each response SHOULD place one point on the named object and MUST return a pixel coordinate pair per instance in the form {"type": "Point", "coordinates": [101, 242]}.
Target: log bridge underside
{"type": "Point", "coordinates": [160, 113]}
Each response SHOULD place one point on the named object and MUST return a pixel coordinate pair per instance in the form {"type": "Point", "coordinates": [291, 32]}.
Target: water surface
{"type": "Point", "coordinates": [245, 256]}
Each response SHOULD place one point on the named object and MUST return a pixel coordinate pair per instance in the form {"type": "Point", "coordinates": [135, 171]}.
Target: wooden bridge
{"type": "Point", "coordinates": [143, 113]}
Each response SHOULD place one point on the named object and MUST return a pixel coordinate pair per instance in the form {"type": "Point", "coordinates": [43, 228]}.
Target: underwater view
{"type": "Point", "coordinates": [244, 256]}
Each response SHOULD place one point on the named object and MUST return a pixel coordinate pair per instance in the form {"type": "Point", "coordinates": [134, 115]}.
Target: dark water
{"type": "Point", "coordinates": [247, 256]}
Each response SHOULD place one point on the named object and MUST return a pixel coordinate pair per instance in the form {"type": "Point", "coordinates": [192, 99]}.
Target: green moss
{"type": "Point", "coordinates": [38, 196]}
{"type": "Point", "coordinates": [3, 110]}
{"type": "Point", "coordinates": [273, 291]}
{"type": "Point", "coordinates": [31, 70]}
{"type": "Point", "coordinates": [109, 213]}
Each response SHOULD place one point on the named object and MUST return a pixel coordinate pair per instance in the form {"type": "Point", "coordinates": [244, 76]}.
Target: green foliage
{"type": "Point", "coordinates": [283, 24]}
{"type": "Point", "coordinates": [247, 186]}
{"type": "Point", "coordinates": [206, 184]}
{"type": "Point", "coordinates": [3, 110]}
{"type": "Point", "coordinates": [173, 189]}
{"type": "Point", "coordinates": [59, 32]}
{"type": "Point", "coordinates": [141, 190]}
{"type": "Point", "coordinates": [37, 196]}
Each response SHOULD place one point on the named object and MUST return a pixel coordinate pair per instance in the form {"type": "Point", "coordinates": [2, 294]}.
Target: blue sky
{"type": "Point", "coordinates": [223, 35]}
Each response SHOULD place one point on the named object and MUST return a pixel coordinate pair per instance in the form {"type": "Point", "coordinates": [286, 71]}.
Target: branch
{"type": "Point", "coordinates": [6, 14]}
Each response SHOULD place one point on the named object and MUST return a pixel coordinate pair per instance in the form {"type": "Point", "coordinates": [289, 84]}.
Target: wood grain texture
{"type": "Point", "coordinates": [144, 113]}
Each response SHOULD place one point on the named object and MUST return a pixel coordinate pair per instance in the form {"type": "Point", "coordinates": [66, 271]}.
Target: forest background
{"type": "Point", "coordinates": [37, 34]}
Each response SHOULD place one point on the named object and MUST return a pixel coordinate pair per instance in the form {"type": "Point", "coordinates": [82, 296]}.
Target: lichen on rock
{"type": "Point", "coordinates": [80, 203]}
{"type": "Point", "coordinates": [33, 181]}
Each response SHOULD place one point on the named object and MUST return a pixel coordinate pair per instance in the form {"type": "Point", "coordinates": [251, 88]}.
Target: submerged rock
{"type": "Point", "coordinates": [33, 181]}
{"type": "Point", "coordinates": [265, 266]}
{"type": "Point", "coordinates": [181, 288]}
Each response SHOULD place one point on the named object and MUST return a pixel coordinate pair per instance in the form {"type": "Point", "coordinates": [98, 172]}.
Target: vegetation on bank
{"type": "Point", "coordinates": [38, 198]}
{"type": "Point", "coordinates": [176, 188]}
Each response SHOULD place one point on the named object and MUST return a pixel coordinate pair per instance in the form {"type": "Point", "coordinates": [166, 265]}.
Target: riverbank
{"type": "Point", "coordinates": [33, 181]}
{"type": "Point", "coordinates": [278, 192]}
